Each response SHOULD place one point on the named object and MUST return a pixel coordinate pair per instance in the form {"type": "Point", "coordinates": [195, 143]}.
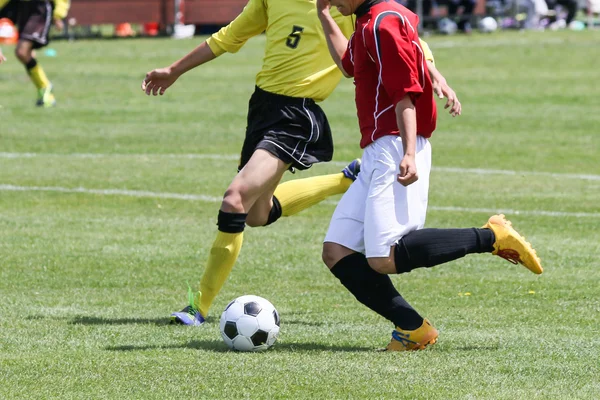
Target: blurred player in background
{"type": "Point", "coordinates": [377, 227]}
{"type": "Point", "coordinates": [285, 129]}
{"type": "Point", "coordinates": [34, 18]}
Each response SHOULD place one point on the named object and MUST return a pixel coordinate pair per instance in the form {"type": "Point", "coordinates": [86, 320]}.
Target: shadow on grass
{"type": "Point", "coordinates": [87, 320]}
{"type": "Point", "coordinates": [218, 346]}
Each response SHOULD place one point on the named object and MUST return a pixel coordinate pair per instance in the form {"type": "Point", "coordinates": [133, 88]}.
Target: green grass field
{"type": "Point", "coordinates": [98, 237]}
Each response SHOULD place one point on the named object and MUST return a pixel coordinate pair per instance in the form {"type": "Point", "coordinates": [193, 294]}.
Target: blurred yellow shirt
{"type": "Point", "coordinates": [297, 62]}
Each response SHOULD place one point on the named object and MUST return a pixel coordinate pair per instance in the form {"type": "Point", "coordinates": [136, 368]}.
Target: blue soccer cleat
{"type": "Point", "coordinates": [188, 316]}
{"type": "Point", "coordinates": [351, 170]}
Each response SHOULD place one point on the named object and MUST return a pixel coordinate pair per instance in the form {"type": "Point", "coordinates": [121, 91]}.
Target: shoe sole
{"type": "Point", "coordinates": [429, 340]}
{"type": "Point", "coordinates": [501, 221]}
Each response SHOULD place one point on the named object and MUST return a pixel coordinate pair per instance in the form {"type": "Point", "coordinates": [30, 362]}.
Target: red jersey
{"type": "Point", "coordinates": [385, 58]}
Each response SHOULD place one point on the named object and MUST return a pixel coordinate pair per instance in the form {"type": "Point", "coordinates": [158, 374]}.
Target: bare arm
{"type": "Point", "coordinates": [336, 41]}
{"type": "Point", "coordinates": [406, 118]}
{"type": "Point", "coordinates": [442, 89]}
{"type": "Point", "coordinates": [2, 58]}
{"type": "Point", "coordinates": [159, 80]}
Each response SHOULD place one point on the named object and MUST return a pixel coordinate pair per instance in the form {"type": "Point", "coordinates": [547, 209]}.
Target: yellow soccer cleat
{"type": "Point", "coordinates": [511, 246]}
{"type": "Point", "coordinates": [403, 340]}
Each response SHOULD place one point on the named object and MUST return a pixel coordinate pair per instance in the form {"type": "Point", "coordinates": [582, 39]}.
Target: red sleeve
{"type": "Point", "coordinates": [395, 57]}
{"type": "Point", "coordinates": [348, 58]}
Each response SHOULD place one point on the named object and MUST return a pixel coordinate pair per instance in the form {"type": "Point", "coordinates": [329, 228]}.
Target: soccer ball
{"type": "Point", "coordinates": [487, 25]}
{"type": "Point", "coordinates": [249, 323]}
{"type": "Point", "coordinates": [447, 27]}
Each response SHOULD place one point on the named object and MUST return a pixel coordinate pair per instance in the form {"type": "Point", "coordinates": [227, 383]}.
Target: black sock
{"type": "Point", "coordinates": [231, 222]}
{"type": "Point", "coordinates": [275, 212]}
{"type": "Point", "coordinates": [375, 291]}
{"type": "Point", "coordinates": [431, 247]}
{"type": "Point", "coordinates": [31, 64]}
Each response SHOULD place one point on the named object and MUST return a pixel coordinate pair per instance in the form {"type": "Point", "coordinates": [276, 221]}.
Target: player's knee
{"type": "Point", "coordinates": [22, 54]}
{"type": "Point", "coordinates": [332, 253]}
{"type": "Point", "coordinates": [233, 201]}
{"type": "Point", "coordinates": [383, 265]}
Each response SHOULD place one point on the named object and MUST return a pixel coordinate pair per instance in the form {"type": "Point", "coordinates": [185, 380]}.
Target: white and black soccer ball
{"type": "Point", "coordinates": [250, 323]}
{"type": "Point", "coordinates": [487, 25]}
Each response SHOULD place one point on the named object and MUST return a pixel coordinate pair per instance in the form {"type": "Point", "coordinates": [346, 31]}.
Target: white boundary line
{"type": "Point", "coordinates": [234, 157]}
{"type": "Point", "coordinates": [213, 199]}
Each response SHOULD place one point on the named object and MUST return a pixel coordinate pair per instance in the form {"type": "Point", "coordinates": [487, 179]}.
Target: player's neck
{"type": "Point", "coordinates": [363, 6]}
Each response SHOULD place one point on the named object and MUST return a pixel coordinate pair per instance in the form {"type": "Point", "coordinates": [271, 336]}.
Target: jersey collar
{"type": "Point", "coordinates": [365, 7]}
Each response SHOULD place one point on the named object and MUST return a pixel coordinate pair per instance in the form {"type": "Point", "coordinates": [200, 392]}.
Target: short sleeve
{"type": "Point", "coordinates": [426, 51]}
{"type": "Point", "coordinates": [348, 58]}
{"type": "Point", "coordinates": [251, 22]}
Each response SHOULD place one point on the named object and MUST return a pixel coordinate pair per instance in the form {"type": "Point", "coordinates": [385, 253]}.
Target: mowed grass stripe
{"type": "Point", "coordinates": [230, 157]}
{"type": "Point", "coordinates": [214, 199]}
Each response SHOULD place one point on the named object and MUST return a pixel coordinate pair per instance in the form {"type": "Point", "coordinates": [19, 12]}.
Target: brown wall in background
{"type": "Point", "coordinates": [200, 12]}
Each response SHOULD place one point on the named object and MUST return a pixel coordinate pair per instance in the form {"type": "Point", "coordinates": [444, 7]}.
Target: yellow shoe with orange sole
{"type": "Point", "coordinates": [418, 339]}
{"type": "Point", "coordinates": [511, 246]}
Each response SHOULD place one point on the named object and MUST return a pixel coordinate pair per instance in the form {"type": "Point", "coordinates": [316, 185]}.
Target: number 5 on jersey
{"type": "Point", "coordinates": [294, 37]}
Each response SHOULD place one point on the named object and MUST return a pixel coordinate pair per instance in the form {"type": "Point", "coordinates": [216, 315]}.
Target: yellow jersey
{"type": "Point", "coordinates": [297, 62]}
{"type": "Point", "coordinates": [61, 7]}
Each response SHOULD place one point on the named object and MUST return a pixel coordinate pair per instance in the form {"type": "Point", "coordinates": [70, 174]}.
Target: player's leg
{"type": "Point", "coordinates": [34, 19]}
{"type": "Point", "coordinates": [315, 145]}
{"type": "Point", "coordinates": [299, 194]}
{"type": "Point", "coordinates": [342, 253]}
{"type": "Point", "coordinates": [261, 174]}
{"type": "Point", "coordinates": [395, 241]}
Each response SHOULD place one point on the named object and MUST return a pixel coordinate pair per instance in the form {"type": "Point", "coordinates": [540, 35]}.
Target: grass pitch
{"type": "Point", "coordinates": [108, 207]}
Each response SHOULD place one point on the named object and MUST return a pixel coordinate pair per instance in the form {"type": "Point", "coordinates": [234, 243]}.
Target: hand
{"type": "Point", "coordinates": [2, 58]}
{"type": "Point", "coordinates": [408, 171]}
{"type": "Point", "coordinates": [158, 81]}
{"type": "Point", "coordinates": [59, 24]}
{"type": "Point", "coordinates": [441, 89]}
{"type": "Point", "coordinates": [323, 6]}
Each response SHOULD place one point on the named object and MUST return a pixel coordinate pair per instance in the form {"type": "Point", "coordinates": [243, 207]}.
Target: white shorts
{"type": "Point", "coordinates": [377, 210]}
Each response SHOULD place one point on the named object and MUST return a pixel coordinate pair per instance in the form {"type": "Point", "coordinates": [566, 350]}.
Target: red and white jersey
{"type": "Point", "coordinates": [385, 58]}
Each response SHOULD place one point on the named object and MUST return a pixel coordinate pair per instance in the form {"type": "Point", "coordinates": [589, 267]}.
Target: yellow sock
{"type": "Point", "coordinates": [38, 77]}
{"type": "Point", "coordinates": [223, 254]}
{"type": "Point", "coordinates": [300, 194]}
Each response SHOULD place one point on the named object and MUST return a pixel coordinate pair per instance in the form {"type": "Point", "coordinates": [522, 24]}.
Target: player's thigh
{"type": "Point", "coordinates": [392, 210]}
{"type": "Point", "coordinates": [258, 176]}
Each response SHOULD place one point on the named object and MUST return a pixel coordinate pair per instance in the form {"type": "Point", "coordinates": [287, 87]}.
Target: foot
{"type": "Point", "coordinates": [511, 246]}
{"type": "Point", "coordinates": [351, 170]}
{"type": "Point", "coordinates": [45, 97]}
{"type": "Point", "coordinates": [403, 340]}
{"type": "Point", "coordinates": [187, 316]}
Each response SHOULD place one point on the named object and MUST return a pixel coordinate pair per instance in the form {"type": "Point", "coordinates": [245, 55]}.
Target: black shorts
{"type": "Point", "coordinates": [293, 129]}
{"type": "Point", "coordinates": [34, 20]}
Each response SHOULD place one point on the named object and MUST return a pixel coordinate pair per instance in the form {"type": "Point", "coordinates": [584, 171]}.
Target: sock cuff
{"type": "Point", "coordinates": [342, 268]}
{"type": "Point", "coordinates": [231, 222]}
{"type": "Point", "coordinates": [31, 64]}
{"type": "Point", "coordinates": [275, 212]}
